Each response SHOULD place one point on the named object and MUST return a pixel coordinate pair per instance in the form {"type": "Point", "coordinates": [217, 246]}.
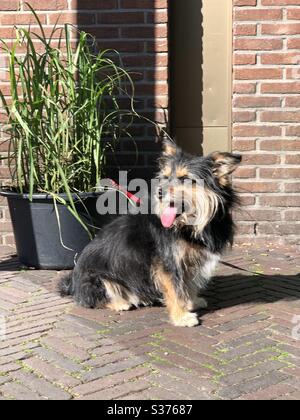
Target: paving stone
{"type": "Point", "coordinates": [271, 393]}
{"type": "Point", "coordinates": [243, 348]}
{"type": "Point", "coordinates": [232, 325]}
{"type": "Point", "coordinates": [16, 391]}
{"type": "Point", "coordinates": [177, 386]}
{"type": "Point", "coordinates": [261, 345]}
{"type": "Point", "coordinates": [40, 386]}
{"type": "Point", "coordinates": [4, 379]}
{"type": "Point", "coordinates": [110, 358]}
{"type": "Point", "coordinates": [119, 391]}
{"type": "Point", "coordinates": [51, 373]}
{"type": "Point", "coordinates": [110, 381]}
{"type": "Point", "coordinates": [247, 361]}
{"type": "Point", "coordinates": [58, 360]}
{"type": "Point", "coordinates": [256, 384]}
{"type": "Point", "coordinates": [123, 365]}
{"type": "Point", "coordinates": [66, 349]}
{"type": "Point", "coordinates": [252, 372]}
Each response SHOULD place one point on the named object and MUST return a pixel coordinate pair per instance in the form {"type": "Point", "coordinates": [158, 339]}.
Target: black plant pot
{"type": "Point", "coordinates": [37, 231]}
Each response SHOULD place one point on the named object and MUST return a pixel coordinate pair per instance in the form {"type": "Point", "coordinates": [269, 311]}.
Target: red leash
{"type": "Point", "coordinates": [129, 195]}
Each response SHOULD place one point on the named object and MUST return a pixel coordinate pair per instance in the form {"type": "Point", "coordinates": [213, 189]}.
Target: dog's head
{"type": "Point", "coordinates": [192, 190]}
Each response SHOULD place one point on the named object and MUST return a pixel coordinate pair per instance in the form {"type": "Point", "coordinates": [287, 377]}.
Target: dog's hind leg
{"type": "Point", "coordinates": [90, 292]}
{"type": "Point", "coordinates": [119, 299]}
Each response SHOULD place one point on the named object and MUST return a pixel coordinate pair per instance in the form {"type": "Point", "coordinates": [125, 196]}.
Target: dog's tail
{"type": "Point", "coordinates": [65, 286]}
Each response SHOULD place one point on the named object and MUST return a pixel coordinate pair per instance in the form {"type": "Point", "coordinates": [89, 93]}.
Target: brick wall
{"type": "Point", "coordinates": [136, 28]}
{"type": "Point", "coordinates": [266, 97]}
{"type": "Point", "coordinates": [267, 118]}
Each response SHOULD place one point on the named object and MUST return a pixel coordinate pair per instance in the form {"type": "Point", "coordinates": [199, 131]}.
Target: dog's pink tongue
{"type": "Point", "coordinates": [168, 217]}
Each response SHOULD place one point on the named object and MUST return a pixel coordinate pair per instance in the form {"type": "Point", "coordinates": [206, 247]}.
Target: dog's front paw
{"type": "Point", "coordinates": [187, 320]}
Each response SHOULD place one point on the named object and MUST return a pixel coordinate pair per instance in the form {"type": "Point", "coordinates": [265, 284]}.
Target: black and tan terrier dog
{"type": "Point", "coordinates": [168, 256]}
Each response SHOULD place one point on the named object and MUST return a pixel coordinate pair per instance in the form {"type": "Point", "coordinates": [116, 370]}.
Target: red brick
{"type": "Point", "coordinates": [257, 102]}
{"type": "Point", "coordinates": [144, 4]}
{"type": "Point", "coordinates": [244, 59]}
{"type": "Point", "coordinates": [292, 215]}
{"type": "Point", "coordinates": [157, 46]}
{"type": "Point", "coordinates": [293, 43]}
{"type": "Point", "coordinates": [281, 29]}
{"type": "Point", "coordinates": [244, 116]}
{"type": "Point", "coordinates": [73, 18]}
{"type": "Point", "coordinates": [260, 159]}
{"type": "Point", "coordinates": [293, 14]}
{"type": "Point", "coordinates": [257, 14]}
{"type": "Point", "coordinates": [257, 187]}
{"type": "Point", "coordinates": [159, 75]}
{"type": "Point", "coordinates": [293, 131]}
{"type": "Point", "coordinates": [103, 32]}
{"type": "Point", "coordinates": [123, 46]}
{"type": "Point", "coordinates": [144, 32]}
{"type": "Point", "coordinates": [157, 17]}
{"type": "Point", "coordinates": [280, 116]}
{"type": "Point", "coordinates": [121, 18]}
{"type": "Point", "coordinates": [289, 87]}
{"type": "Point", "coordinates": [245, 30]}
{"type": "Point", "coordinates": [292, 187]}
{"type": "Point", "coordinates": [280, 145]}
{"type": "Point", "coordinates": [280, 2]}
{"type": "Point", "coordinates": [247, 200]}
{"type": "Point", "coordinates": [280, 201]}
{"type": "Point", "coordinates": [294, 72]}
{"type": "Point", "coordinates": [5, 226]}
{"type": "Point", "coordinates": [256, 131]}
{"type": "Point", "coordinates": [94, 4]}
{"type": "Point", "coordinates": [245, 172]}
{"type": "Point", "coordinates": [7, 32]}
{"type": "Point", "coordinates": [258, 215]}
{"type": "Point", "coordinates": [245, 229]}
{"type": "Point", "coordinates": [4, 172]}
{"type": "Point", "coordinates": [280, 173]}
{"type": "Point", "coordinates": [284, 58]}
{"type": "Point", "coordinates": [258, 74]}
{"type": "Point", "coordinates": [20, 18]}
{"type": "Point", "coordinates": [274, 229]}
{"type": "Point", "coordinates": [7, 5]}
{"type": "Point", "coordinates": [47, 5]}
{"type": "Point", "coordinates": [293, 102]}
{"type": "Point", "coordinates": [244, 88]}
{"type": "Point", "coordinates": [258, 44]}
{"type": "Point", "coordinates": [143, 61]}
{"type": "Point", "coordinates": [292, 159]}
{"type": "Point", "coordinates": [243, 145]}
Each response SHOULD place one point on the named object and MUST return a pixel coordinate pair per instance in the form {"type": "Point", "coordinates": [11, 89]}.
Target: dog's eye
{"type": "Point", "coordinates": [183, 178]}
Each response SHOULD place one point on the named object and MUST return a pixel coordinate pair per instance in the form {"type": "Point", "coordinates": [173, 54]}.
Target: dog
{"type": "Point", "coordinates": [169, 256]}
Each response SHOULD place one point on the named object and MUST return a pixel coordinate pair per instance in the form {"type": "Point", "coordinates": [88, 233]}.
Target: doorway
{"type": "Point", "coordinates": [201, 74]}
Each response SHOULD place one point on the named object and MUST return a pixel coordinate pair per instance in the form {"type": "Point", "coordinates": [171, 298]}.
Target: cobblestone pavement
{"type": "Point", "coordinates": [246, 347]}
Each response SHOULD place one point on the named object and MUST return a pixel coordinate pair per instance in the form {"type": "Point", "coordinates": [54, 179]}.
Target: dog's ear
{"type": "Point", "coordinates": [224, 164]}
{"type": "Point", "coordinates": [169, 149]}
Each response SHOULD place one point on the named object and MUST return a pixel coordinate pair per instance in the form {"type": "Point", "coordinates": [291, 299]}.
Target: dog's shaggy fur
{"type": "Point", "coordinates": [137, 261]}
